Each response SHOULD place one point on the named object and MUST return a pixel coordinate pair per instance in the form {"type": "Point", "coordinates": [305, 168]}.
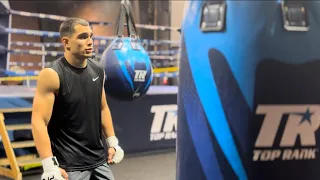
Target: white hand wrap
{"type": "Point", "coordinates": [119, 154]}
{"type": "Point", "coordinates": [112, 141]}
{"type": "Point", "coordinates": [51, 169]}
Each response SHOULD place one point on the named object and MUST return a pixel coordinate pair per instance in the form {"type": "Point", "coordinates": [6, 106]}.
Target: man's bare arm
{"type": "Point", "coordinates": [115, 152]}
{"type": "Point", "coordinates": [47, 86]}
{"type": "Point", "coordinates": [106, 117]}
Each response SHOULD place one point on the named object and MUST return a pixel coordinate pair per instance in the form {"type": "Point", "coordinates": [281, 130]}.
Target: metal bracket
{"type": "Point", "coordinates": [134, 42]}
{"type": "Point", "coordinates": [213, 16]}
{"type": "Point", "coordinates": [125, 2]}
{"type": "Point", "coordinates": [118, 43]}
{"type": "Point", "coordinates": [295, 16]}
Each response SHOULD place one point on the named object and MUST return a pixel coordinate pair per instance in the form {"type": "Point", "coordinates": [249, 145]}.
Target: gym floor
{"type": "Point", "coordinates": [155, 166]}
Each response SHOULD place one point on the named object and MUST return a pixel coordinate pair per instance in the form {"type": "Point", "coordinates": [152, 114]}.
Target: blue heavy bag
{"type": "Point", "coordinates": [248, 101]}
{"type": "Point", "coordinates": [128, 69]}
{"type": "Point", "coordinates": [127, 65]}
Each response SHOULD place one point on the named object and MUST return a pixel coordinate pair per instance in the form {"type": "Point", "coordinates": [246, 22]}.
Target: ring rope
{"type": "Point", "coordinates": [18, 78]}
{"type": "Point", "coordinates": [34, 52]}
{"type": "Point", "coordinates": [36, 44]}
{"type": "Point", "coordinates": [53, 34]}
{"type": "Point", "coordinates": [153, 54]}
{"type": "Point", "coordinates": [155, 70]}
{"type": "Point", "coordinates": [171, 58]}
{"type": "Point", "coordinates": [54, 44]}
{"type": "Point", "coordinates": [35, 77]}
{"type": "Point", "coordinates": [51, 17]}
{"type": "Point", "coordinates": [23, 64]}
{"type": "Point", "coordinates": [23, 78]}
{"type": "Point", "coordinates": [21, 73]}
{"type": "Point", "coordinates": [63, 18]}
{"type": "Point", "coordinates": [166, 71]}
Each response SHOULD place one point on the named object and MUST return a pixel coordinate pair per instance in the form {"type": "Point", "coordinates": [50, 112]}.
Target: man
{"type": "Point", "coordinates": [70, 113]}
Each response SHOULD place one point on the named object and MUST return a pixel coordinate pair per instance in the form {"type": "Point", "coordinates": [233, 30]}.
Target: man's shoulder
{"type": "Point", "coordinates": [95, 63]}
{"type": "Point", "coordinates": [48, 78]}
{"type": "Point", "coordinates": [57, 65]}
{"type": "Point", "coordinates": [54, 64]}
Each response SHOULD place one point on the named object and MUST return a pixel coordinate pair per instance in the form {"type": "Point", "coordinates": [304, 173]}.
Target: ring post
{"type": "Point", "coordinates": [5, 21]}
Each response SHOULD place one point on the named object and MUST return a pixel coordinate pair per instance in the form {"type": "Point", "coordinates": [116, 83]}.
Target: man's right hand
{"type": "Point", "coordinates": [51, 170]}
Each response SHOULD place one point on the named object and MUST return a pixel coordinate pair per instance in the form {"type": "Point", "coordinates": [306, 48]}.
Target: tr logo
{"type": "Point", "coordinates": [140, 75]}
{"type": "Point", "coordinates": [164, 125]}
{"type": "Point", "coordinates": [299, 121]}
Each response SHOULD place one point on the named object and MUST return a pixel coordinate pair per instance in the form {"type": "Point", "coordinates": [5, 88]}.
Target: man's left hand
{"type": "Point", "coordinates": [111, 152]}
{"type": "Point", "coordinates": [115, 152]}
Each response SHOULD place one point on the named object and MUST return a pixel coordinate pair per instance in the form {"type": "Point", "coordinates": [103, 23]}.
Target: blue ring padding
{"type": "Point", "coordinates": [14, 102]}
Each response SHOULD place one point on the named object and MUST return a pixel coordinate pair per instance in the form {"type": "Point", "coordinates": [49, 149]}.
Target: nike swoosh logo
{"type": "Point", "coordinates": [94, 79]}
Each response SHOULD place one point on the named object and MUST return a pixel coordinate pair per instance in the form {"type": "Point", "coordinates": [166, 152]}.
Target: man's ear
{"type": "Point", "coordinates": [66, 42]}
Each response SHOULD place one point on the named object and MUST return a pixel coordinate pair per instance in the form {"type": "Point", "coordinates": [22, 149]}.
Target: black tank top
{"type": "Point", "coordinates": [75, 125]}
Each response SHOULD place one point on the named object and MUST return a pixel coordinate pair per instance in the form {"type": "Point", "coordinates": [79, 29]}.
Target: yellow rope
{"type": "Point", "coordinates": [168, 69]}
{"type": "Point", "coordinates": [19, 78]}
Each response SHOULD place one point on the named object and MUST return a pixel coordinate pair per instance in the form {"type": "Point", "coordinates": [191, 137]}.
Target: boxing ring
{"type": "Point", "coordinates": [16, 100]}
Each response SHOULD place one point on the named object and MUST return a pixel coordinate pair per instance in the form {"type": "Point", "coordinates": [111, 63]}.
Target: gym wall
{"type": "Point", "coordinates": [24, 23]}
{"type": "Point", "coordinates": [176, 17]}
{"type": "Point", "coordinates": [151, 12]}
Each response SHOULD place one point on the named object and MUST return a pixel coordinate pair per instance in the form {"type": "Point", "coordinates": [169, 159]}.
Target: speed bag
{"type": "Point", "coordinates": [128, 69]}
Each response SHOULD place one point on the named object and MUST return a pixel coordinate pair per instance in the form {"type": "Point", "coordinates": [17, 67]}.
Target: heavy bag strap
{"type": "Point", "coordinates": [120, 23]}
{"type": "Point", "coordinates": [130, 21]}
{"type": "Point", "coordinates": [126, 16]}
{"type": "Point", "coordinates": [126, 13]}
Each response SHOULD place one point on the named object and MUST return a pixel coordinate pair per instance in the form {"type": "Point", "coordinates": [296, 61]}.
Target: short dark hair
{"type": "Point", "coordinates": [67, 27]}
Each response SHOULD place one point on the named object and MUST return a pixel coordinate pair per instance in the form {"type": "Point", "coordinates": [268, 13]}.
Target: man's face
{"type": "Point", "coordinates": [80, 43]}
